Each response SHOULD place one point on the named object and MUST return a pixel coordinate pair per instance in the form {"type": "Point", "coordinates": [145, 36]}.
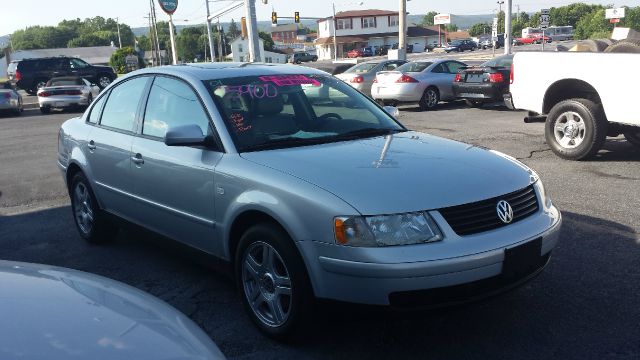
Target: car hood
{"type": "Point", "coordinates": [56, 313]}
{"type": "Point", "coordinates": [405, 172]}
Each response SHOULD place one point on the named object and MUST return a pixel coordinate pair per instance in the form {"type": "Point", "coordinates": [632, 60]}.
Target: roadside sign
{"type": "Point", "coordinates": [494, 29]}
{"type": "Point", "coordinates": [614, 13]}
{"type": "Point", "coordinates": [545, 18]}
{"type": "Point", "coordinates": [441, 19]}
{"type": "Point", "coordinates": [168, 6]}
{"type": "Point", "coordinates": [614, 21]}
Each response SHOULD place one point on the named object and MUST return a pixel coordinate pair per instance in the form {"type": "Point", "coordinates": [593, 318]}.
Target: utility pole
{"type": "Point", "coordinates": [252, 31]}
{"type": "Point", "coordinates": [155, 29]}
{"type": "Point", "coordinates": [518, 13]}
{"type": "Point", "coordinates": [507, 28]}
{"type": "Point", "coordinates": [213, 56]}
{"type": "Point", "coordinates": [172, 35]}
{"type": "Point", "coordinates": [220, 52]}
{"type": "Point", "coordinates": [402, 31]}
{"type": "Point", "coordinates": [119, 39]}
{"type": "Point", "coordinates": [153, 42]}
{"type": "Point", "coordinates": [335, 28]}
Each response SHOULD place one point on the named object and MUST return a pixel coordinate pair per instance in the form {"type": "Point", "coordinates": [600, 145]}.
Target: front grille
{"type": "Point", "coordinates": [482, 216]}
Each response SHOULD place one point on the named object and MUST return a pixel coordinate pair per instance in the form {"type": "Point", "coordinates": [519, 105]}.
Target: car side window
{"type": "Point", "coordinates": [454, 67]}
{"type": "Point", "coordinates": [390, 66]}
{"type": "Point", "coordinates": [172, 103]}
{"type": "Point", "coordinates": [77, 64]}
{"type": "Point", "coordinates": [440, 68]}
{"type": "Point", "coordinates": [96, 110]}
{"type": "Point", "coordinates": [122, 105]}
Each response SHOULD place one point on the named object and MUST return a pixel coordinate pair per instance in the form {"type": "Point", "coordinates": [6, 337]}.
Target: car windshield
{"type": "Point", "coordinates": [279, 111]}
{"type": "Point", "coordinates": [418, 66]}
{"type": "Point", "coordinates": [362, 68]}
{"type": "Point", "coordinates": [64, 82]}
{"type": "Point", "coordinates": [501, 61]}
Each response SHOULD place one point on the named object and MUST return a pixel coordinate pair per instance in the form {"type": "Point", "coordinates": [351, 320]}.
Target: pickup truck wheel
{"type": "Point", "coordinates": [633, 137]}
{"type": "Point", "coordinates": [104, 81]}
{"type": "Point", "coordinates": [90, 220]}
{"type": "Point", "coordinates": [631, 46]}
{"type": "Point", "coordinates": [576, 129]}
{"type": "Point", "coordinates": [273, 280]}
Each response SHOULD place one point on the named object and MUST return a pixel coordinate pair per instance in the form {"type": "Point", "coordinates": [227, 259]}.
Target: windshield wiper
{"type": "Point", "coordinates": [367, 132]}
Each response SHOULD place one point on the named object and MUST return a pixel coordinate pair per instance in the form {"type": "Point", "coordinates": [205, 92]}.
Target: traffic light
{"type": "Point", "coordinates": [274, 18]}
{"type": "Point", "coordinates": [296, 16]}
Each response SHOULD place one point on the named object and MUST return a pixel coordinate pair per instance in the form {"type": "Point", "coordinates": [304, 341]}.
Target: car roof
{"type": "Point", "coordinates": [208, 71]}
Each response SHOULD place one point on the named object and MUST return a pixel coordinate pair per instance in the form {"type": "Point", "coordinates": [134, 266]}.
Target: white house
{"type": "Point", "coordinates": [360, 28]}
{"type": "Point", "coordinates": [240, 52]}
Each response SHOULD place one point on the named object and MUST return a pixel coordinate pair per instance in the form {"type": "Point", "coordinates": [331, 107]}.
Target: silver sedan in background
{"type": "Point", "coordinates": [10, 99]}
{"type": "Point", "coordinates": [305, 199]}
{"type": "Point", "coordinates": [66, 92]}
{"type": "Point", "coordinates": [426, 82]}
{"type": "Point", "coordinates": [361, 76]}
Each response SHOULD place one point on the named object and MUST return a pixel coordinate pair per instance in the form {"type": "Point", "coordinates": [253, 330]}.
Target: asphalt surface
{"type": "Point", "coordinates": [584, 305]}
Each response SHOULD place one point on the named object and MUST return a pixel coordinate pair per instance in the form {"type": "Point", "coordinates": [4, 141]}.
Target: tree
{"type": "Point", "coordinates": [593, 23]}
{"type": "Point", "coordinates": [189, 44]}
{"type": "Point", "coordinates": [118, 59]}
{"type": "Point", "coordinates": [144, 42]}
{"type": "Point", "coordinates": [268, 41]}
{"type": "Point", "coordinates": [86, 40]}
{"type": "Point", "coordinates": [232, 30]}
{"type": "Point", "coordinates": [451, 27]}
{"type": "Point", "coordinates": [427, 20]}
{"type": "Point", "coordinates": [480, 29]}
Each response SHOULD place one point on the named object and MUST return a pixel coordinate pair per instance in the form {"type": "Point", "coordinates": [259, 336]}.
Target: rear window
{"type": "Point", "coordinates": [414, 66]}
{"type": "Point", "coordinates": [27, 65]}
{"type": "Point", "coordinates": [65, 82]}
{"type": "Point", "coordinates": [502, 61]}
{"type": "Point", "coordinates": [362, 68]}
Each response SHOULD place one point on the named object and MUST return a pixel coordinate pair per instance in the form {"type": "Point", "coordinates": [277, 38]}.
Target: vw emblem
{"type": "Point", "coordinates": [505, 212]}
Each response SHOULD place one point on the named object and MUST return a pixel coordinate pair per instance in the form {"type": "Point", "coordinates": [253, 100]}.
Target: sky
{"type": "Point", "coordinates": [23, 13]}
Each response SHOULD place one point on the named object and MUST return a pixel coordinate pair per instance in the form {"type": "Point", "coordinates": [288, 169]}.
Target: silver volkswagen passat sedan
{"type": "Point", "coordinates": [304, 198]}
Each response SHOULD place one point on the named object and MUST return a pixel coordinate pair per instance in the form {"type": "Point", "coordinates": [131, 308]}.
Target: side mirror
{"type": "Point", "coordinates": [392, 110]}
{"type": "Point", "coordinates": [187, 135]}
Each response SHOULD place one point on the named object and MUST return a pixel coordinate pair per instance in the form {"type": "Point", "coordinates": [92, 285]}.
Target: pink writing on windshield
{"type": "Point", "coordinates": [258, 91]}
{"type": "Point", "coordinates": [238, 122]}
{"type": "Point", "coordinates": [289, 80]}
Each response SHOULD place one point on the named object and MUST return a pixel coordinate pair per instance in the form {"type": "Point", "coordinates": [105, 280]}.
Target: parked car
{"type": "Point", "coordinates": [538, 39]}
{"type": "Point", "coordinates": [368, 51]}
{"type": "Point", "coordinates": [486, 83]}
{"type": "Point", "coordinates": [59, 313]}
{"type": "Point", "coordinates": [531, 39]}
{"type": "Point", "coordinates": [355, 53]}
{"type": "Point", "coordinates": [361, 75]}
{"type": "Point", "coordinates": [461, 45]}
{"type": "Point", "coordinates": [32, 74]}
{"type": "Point", "coordinates": [426, 82]}
{"type": "Point", "coordinates": [581, 107]}
{"type": "Point", "coordinates": [300, 57]}
{"type": "Point", "coordinates": [409, 47]}
{"type": "Point", "coordinates": [66, 92]}
{"type": "Point", "coordinates": [429, 47]}
{"type": "Point", "coordinates": [303, 200]}
{"type": "Point", "coordinates": [382, 50]}
{"type": "Point", "coordinates": [10, 99]}
{"type": "Point", "coordinates": [487, 42]}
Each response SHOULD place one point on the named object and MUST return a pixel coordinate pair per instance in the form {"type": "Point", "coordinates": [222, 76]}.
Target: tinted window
{"type": "Point", "coordinates": [77, 64]}
{"type": "Point", "coordinates": [440, 68]}
{"type": "Point", "coordinates": [94, 116]}
{"type": "Point", "coordinates": [361, 68]}
{"type": "Point", "coordinates": [120, 110]}
{"type": "Point", "coordinates": [64, 81]}
{"type": "Point", "coordinates": [172, 103]}
{"type": "Point", "coordinates": [391, 66]}
{"type": "Point", "coordinates": [414, 66]}
{"type": "Point", "coordinates": [454, 66]}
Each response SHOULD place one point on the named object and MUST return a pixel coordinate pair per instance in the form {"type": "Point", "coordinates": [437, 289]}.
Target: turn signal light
{"type": "Point", "coordinates": [406, 79]}
{"type": "Point", "coordinates": [357, 79]}
{"type": "Point", "coordinates": [44, 94]}
{"type": "Point", "coordinates": [511, 74]}
{"type": "Point", "coordinates": [458, 78]}
{"type": "Point", "coordinates": [496, 78]}
{"type": "Point", "coordinates": [18, 75]}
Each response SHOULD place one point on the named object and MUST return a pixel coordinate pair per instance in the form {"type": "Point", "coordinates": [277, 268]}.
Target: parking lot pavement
{"type": "Point", "coordinates": [584, 305]}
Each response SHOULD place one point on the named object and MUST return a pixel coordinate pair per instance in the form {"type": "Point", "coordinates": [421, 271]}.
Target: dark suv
{"type": "Point", "coordinates": [32, 74]}
{"type": "Point", "coordinates": [301, 57]}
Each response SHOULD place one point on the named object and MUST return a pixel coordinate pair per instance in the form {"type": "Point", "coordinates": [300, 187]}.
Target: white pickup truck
{"type": "Point", "coordinates": [584, 98]}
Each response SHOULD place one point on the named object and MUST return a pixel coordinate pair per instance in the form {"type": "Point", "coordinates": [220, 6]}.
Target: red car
{"type": "Point", "coordinates": [355, 53]}
{"type": "Point", "coordinates": [531, 39]}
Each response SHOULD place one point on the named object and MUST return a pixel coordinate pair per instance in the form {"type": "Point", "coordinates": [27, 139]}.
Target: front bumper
{"type": "Point", "coordinates": [369, 276]}
{"type": "Point", "coordinates": [63, 101]}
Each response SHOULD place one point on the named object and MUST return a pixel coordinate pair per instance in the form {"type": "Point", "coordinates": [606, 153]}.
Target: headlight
{"type": "Point", "coordinates": [386, 230]}
{"type": "Point", "coordinates": [546, 200]}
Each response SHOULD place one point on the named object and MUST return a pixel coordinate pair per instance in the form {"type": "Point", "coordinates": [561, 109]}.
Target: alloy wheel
{"type": "Point", "coordinates": [569, 130]}
{"type": "Point", "coordinates": [432, 98]}
{"type": "Point", "coordinates": [104, 81]}
{"type": "Point", "coordinates": [266, 284]}
{"type": "Point", "coordinates": [83, 209]}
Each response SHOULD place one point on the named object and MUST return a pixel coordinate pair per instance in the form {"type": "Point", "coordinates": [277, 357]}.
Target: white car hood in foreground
{"type": "Point", "coordinates": [54, 313]}
{"type": "Point", "coordinates": [401, 173]}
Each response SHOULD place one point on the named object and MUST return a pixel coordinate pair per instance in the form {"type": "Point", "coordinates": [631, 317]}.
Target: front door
{"type": "Point", "coordinates": [109, 147]}
{"type": "Point", "coordinates": [80, 68]}
{"type": "Point", "coordinates": [175, 184]}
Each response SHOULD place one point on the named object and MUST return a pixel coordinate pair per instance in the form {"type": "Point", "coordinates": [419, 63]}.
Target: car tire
{"type": "Point", "coordinates": [576, 129]}
{"type": "Point", "coordinates": [474, 103]}
{"type": "Point", "coordinates": [630, 46]}
{"type": "Point", "coordinates": [430, 99]}
{"type": "Point", "coordinates": [91, 222]}
{"type": "Point", "coordinates": [45, 110]}
{"type": "Point", "coordinates": [595, 45]}
{"type": "Point", "coordinates": [633, 137]}
{"type": "Point", "coordinates": [277, 313]}
{"type": "Point", "coordinates": [104, 80]}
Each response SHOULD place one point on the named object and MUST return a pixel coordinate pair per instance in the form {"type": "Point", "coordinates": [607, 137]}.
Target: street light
{"type": "Point", "coordinates": [500, 5]}
{"type": "Point", "coordinates": [335, 27]}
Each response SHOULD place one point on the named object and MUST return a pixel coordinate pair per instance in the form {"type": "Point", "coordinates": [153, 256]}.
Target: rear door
{"type": "Point", "coordinates": [109, 147]}
{"type": "Point", "coordinates": [175, 184]}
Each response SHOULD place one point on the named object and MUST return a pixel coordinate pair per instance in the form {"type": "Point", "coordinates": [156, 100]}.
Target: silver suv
{"type": "Point", "coordinates": [305, 196]}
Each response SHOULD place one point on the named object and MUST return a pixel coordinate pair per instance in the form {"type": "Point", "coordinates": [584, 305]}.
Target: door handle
{"type": "Point", "coordinates": [91, 145]}
{"type": "Point", "coordinates": [137, 159]}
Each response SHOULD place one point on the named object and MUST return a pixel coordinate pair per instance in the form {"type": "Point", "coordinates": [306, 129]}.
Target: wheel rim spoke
{"type": "Point", "coordinates": [565, 141]}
